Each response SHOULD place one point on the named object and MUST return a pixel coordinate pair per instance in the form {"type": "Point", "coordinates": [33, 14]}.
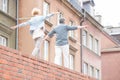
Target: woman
{"type": "Point", "coordinates": [37, 28]}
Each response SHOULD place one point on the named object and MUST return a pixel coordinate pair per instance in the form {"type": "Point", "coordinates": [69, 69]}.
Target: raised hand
{"type": "Point", "coordinates": [56, 12]}
{"type": "Point", "coordinates": [13, 27]}
{"type": "Point", "coordinates": [85, 26]}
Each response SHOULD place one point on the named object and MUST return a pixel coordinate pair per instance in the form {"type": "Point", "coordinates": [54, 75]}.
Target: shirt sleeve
{"type": "Point", "coordinates": [71, 27]}
{"type": "Point", "coordinates": [48, 16]}
{"type": "Point", "coordinates": [50, 34]}
{"type": "Point", "coordinates": [24, 24]}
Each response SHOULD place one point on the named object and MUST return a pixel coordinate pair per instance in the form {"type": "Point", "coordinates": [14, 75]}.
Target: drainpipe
{"type": "Point", "coordinates": [81, 30]}
{"type": "Point", "coordinates": [17, 16]}
{"type": "Point", "coordinates": [81, 42]}
{"type": "Point", "coordinates": [81, 48]}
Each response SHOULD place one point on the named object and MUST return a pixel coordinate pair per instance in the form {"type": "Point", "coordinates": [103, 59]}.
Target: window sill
{"type": "Point", "coordinates": [48, 26]}
{"type": "Point", "coordinates": [48, 23]}
{"type": "Point", "coordinates": [72, 39]}
{"type": "Point", "coordinates": [73, 48]}
{"type": "Point", "coordinates": [91, 51]}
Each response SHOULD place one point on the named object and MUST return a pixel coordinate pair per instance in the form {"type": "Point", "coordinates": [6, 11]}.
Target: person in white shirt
{"type": "Point", "coordinates": [37, 28]}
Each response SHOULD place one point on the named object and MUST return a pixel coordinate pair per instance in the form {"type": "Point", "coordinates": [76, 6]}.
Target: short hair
{"type": "Point", "coordinates": [35, 11]}
{"type": "Point", "coordinates": [61, 20]}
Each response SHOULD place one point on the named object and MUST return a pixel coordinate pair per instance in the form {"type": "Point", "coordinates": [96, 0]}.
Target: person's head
{"type": "Point", "coordinates": [35, 11]}
{"type": "Point", "coordinates": [62, 20]}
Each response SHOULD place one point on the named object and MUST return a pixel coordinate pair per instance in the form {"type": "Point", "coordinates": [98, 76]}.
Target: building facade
{"type": "Point", "coordinates": [7, 19]}
{"type": "Point", "coordinates": [110, 63]}
{"type": "Point", "coordinates": [84, 58]}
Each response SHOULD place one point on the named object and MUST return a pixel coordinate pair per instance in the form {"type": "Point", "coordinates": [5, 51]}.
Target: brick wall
{"type": "Point", "coordinates": [14, 66]}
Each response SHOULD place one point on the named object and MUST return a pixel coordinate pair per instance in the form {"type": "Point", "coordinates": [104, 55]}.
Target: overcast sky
{"type": "Point", "coordinates": [109, 9]}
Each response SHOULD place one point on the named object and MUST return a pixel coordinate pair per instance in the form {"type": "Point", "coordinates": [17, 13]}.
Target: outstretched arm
{"type": "Point", "coordinates": [20, 25]}
{"type": "Point", "coordinates": [76, 27]}
{"type": "Point", "coordinates": [50, 15]}
{"type": "Point", "coordinates": [85, 26]}
{"type": "Point", "coordinates": [13, 27]}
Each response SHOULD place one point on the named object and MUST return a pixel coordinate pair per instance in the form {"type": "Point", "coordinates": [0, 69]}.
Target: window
{"type": "Point", "coordinates": [84, 37]}
{"type": "Point", "coordinates": [91, 71]}
{"type": "Point", "coordinates": [71, 61]}
{"type": "Point", "coordinates": [46, 50]}
{"type": "Point", "coordinates": [46, 9]}
{"type": "Point", "coordinates": [3, 41]}
{"type": "Point", "coordinates": [60, 15]}
{"type": "Point", "coordinates": [4, 5]}
{"type": "Point", "coordinates": [91, 42]}
{"type": "Point", "coordinates": [71, 33]}
{"type": "Point", "coordinates": [97, 74]}
{"type": "Point", "coordinates": [96, 47]}
{"type": "Point", "coordinates": [85, 67]}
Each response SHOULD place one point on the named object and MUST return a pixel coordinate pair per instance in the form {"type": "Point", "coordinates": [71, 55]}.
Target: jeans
{"type": "Point", "coordinates": [36, 50]}
{"type": "Point", "coordinates": [38, 44]}
{"type": "Point", "coordinates": [58, 55]}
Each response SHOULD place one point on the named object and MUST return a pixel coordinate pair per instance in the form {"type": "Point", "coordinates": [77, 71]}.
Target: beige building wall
{"type": "Point", "coordinates": [7, 19]}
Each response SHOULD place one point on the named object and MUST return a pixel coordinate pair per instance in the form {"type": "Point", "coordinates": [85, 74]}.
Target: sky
{"type": "Point", "coordinates": [109, 9]}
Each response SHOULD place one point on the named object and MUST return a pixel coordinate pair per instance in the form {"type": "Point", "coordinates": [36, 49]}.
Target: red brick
{"type": "Point", "coordinates": [16, 67]}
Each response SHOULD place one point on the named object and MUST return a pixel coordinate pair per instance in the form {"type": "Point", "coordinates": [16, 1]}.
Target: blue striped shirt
{"type": "Point", "coordinates": [36, 22]}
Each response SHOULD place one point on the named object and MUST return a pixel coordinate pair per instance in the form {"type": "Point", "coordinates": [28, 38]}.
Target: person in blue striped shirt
{"type": "Point", "coordinates": [62, 46]}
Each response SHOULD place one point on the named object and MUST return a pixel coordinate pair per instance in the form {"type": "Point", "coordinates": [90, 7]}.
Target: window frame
{"type": "Point", "coordinates": [85, 68]}
{"type": "Point", "coordinates": [96, 46]}
{"type": "Point", "coordinates": [72, 65]}
{"type": "Point", "coordinates": [46, 9]}
{"type": "Point", "coordinates": [91, 42]}
{"type": "Point", "coordinates": [46, 50]}
{"type": "Point", "coordinates": [60, 15]}
{"type": "Point", "coordinates": [3, 43]}
{"type": "Point", "coordinates": [72, 32]}
{"type": "Point", "coordinates": [84, 37]}
{"type": "Point", "coordinates": [91, 71]}
{"type": "Point", "coordinates": [5, 6]}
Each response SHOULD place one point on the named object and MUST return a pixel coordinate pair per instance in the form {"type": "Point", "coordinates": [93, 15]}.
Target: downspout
{"type": "Point", "coordinates": [17, 16]}
{"type": "Point", "coordinates": [81, 40]}
{"type": "Point", "coordinates": [81, 48]}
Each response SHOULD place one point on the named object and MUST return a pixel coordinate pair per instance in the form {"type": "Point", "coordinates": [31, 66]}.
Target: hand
{"type": "Point", "coordinates": [85, 26]}
{"type": "Point", "coordinates": [56, 12]}
{"type": "Point", "coordinates": [13, 27]}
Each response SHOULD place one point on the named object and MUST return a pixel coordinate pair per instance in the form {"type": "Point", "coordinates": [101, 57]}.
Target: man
{"type": "Point", "coordinates": [37, 28]}
{"type": "Point", "coordinates": [62, 45]}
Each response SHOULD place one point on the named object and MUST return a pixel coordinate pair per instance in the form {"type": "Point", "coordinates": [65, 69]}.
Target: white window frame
{"type": "Point", "coordinates": [3, 41]}
{"type": "Point", "coordinates": [5, 5]}
{"type": "Point", "coordinates": [96, 48]}
{"type": "Point", "coordinates": [91, 71]}
{"type": "Point", "coordinates": [46, 9]}
{"type": "Point", "coordinates": [90, 42]}
{"type": "Point", "coordinates": [60, 15]}
{"type": "Point", "coordinates": [84, 37]}
{"type": "Point", "coordinates": [46, 50]}
{"type": "Point", "coordinates": [85, 68]}
{"type": "Point", "coordinates": [97, 74]}
{"type": "Point", "coordinates": [71, 33]}
{"type": "Point", "coordinates": [71, 61]}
